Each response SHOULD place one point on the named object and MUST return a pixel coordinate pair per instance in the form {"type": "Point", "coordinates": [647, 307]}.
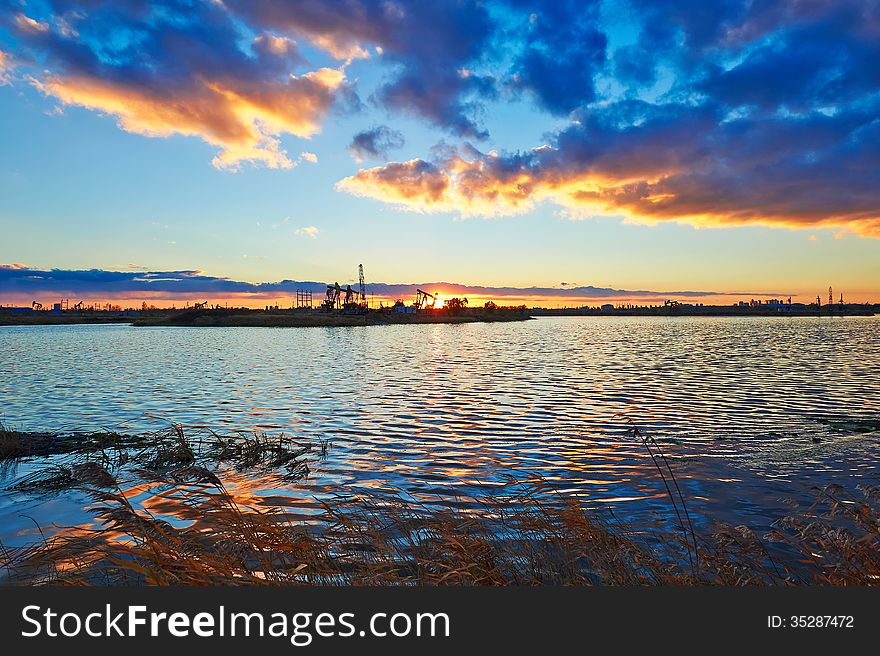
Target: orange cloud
{"type": "Point", "coordinates": [476, 187]}
{"type": "Point", "coordinates": [699, 202]}
{"type": "Point", "coordinates": [339, 49]}
{"type": "Point", "coordinates": [5, 68]}
{"type": "Point", "coordinates": [414, 185]}
{"type": "Point", "coordinates": [277, 45]}
{"type": "Point", "coordinates": [28, 24]}
{"type": "Point", "coordinates": [490, 185]}
{"type": "Point", "coordinates": [244, 120]}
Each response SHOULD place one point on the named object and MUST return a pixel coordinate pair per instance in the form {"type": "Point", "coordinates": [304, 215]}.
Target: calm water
{"type": "Point", "coordinates": [445, 412]}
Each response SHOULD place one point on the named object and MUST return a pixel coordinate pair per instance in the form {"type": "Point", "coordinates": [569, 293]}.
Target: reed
{"type": "Point", "coordinates": [527, 534]}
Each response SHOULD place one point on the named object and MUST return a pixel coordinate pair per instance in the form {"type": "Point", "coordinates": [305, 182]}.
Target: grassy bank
{"type": "Point", "coordinates": [222, 317]}
{"type": "Point", "coordinates": [528, 534]}
{"type": "Point", "coordinates": [50, 319]}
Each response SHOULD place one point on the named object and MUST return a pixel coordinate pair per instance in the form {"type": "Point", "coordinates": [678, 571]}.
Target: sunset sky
{"type": "Point", "coordinates": [178, 149]}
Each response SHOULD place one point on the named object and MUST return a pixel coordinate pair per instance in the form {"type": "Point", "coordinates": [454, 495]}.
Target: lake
{"type": "Point", "coordinates": [750, 411]}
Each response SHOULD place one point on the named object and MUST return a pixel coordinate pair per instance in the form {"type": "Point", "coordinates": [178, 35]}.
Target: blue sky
{"type": "Point", "coordinates": [531, 144]}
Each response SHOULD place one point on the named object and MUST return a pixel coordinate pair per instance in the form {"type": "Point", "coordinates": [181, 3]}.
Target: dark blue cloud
{"type": "Point", "coordinates": [430, 45]}
{"type": "Point", "coordinates": [830, 62]}
{"type": "Point", "coordinates": [563, 51]}
{"type": "Point", "coordinates": [159, 44]}
{"type": "Point", "coordinates": [375, 143]}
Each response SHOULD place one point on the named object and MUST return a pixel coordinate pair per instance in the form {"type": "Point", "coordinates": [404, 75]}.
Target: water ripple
{"type": "Point", "coordinates": [745, 406]}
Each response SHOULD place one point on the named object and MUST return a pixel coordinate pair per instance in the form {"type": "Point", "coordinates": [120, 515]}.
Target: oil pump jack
{"type": "Point", "coordinates": [350, 301]}
{"type": "Point", "coordinates": [422, 300]}
{"type": "Point", "coordinates": [332, 301]}
{"type": "Point", "coordinates": [347, 299]}
{"type": "Point", "coordinates": [36, 305]}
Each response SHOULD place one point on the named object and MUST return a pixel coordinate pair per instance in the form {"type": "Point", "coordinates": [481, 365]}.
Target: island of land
{"type": "Point", "coordinates": [219, 316]}
{"type": "Point", "coordinates": [276, 317]}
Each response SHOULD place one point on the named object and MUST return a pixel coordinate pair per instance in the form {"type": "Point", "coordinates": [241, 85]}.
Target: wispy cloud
{"type": "Point", "coordinates": [308, 231]}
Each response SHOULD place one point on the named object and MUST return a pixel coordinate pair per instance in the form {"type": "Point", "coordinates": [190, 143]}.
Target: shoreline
{"type": "Point", "coordinates": [851, 310]}
{"type": "Point", "coordinates": [294, 319]}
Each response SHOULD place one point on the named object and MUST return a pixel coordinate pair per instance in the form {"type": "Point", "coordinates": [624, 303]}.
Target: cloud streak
{"type": "Point", "coordinates": [21, 282]}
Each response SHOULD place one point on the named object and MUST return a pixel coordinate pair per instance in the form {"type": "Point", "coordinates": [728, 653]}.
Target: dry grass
{"type": "Point", "coordinates": [360, 542]}
{"type": "Point", "coordinates": [94, 459]}
{"type": "Point", "coordinates": [15, 444]}
{"type": "Point", "coordinates": [532, 539]}
{"type": "Point", "coordinates": [838, 536]}
{"type": "Point", "coordinates": [526, 535]}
